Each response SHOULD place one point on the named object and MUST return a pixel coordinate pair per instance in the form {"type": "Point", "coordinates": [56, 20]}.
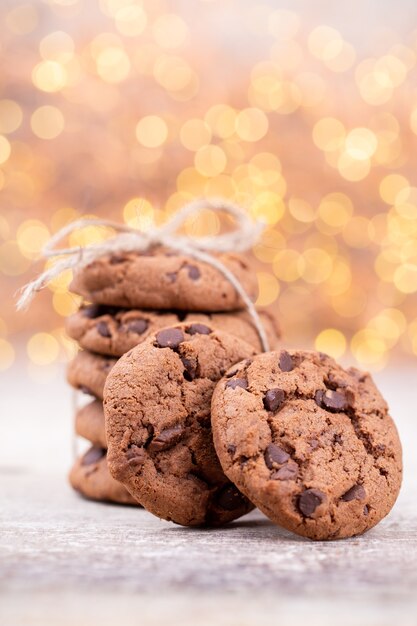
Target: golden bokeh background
{"type": "Point", "coordinates": [127, 109]}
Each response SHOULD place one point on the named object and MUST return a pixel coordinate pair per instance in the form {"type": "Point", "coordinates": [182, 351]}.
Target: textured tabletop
{"type": "Point", "coordinates": [64, 560]}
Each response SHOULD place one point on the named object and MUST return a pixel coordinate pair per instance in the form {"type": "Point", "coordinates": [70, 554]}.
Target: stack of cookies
{"type": "Point", "coordinates": [130, 297]}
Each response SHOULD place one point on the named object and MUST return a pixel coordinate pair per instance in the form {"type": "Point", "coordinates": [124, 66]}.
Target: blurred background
{"type": "Point", "coordinates": [304, 113]}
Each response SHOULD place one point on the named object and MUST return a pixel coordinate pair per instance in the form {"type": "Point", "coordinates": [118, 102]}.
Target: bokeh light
{"type": "Point", "coordinates": [131, 109]}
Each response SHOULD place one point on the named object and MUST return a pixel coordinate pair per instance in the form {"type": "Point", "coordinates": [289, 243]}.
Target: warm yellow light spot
{"type": "Point", "coordinates": [332, 342]}
{"type": "Point", "coordinates": [49, 76]}
{"type": "Point", "coordinates": [210, 160]}
{"type": "Point", "coordinates": [267, 207]}
{"type": "Point", "coordinates": [205, 223]}
{"type": "Point", "coordinates": [221, 186]}
{"type": "Point", "coordinates": [139, 213]}
{"type": "Point", "coordinates": [283, 24]}
{"type": "Point", "coordinates": [47, 122]}
{"type": "Point", "coordinates": [268, 289]}
{"type": "Point", "coordinates": [340, 279]}
{"type": "Point", "coordinates": [343, 59]}
{"type": "Point", "coordinates": [316, 265]}
{"type": "Point", "coordinates": [222, 120]}
{"type": "Point", "coordinates": [32, 235]}
{"type": "Point", "coordinates": [251, 124]}
{"type": "Point", "coordinates": [288, 265]}
{"type": "Point", "coordinates": [390, 324]}
{"type": "Point", "coordinates": [369, 348]}
{"type": "Point", "coordinates": [61, 283]}
{"type": "Point", "coordinates": [352, 169]}
{"type": "Point", "coordinates": [190, 182]}
{"type": "Point", "coordinates": [361, 143]}
{"type": "Point", "coordinates": [194, 134]}
{"type": "Point", "coordinates": [392, 185]}
{"type": "Point", "coordinates": [173, 73]}
{"type": "Point", "coordinates": [7, 354]}
{"type": "Point", "coordinates": [113, 64]}
{"type": "Point", "coordinates": [169, 31]}
{"type": "Point", "coordinates": [10, 116]}
{"type": "Point", "coordinates": [271, 241]}
{"type": "Point", "coordinates": [42, 349]}
{"type": "Point", "coordinates": [65, 303]}
{"type": "Point", "coordinates": [12, 263]}
{"type": "Point", "coordinates": [5, 149]}
{"type": "Point", "coordinates": [335, 209]}
{"type": "Point", "coordinates": [301, 210]}
{"type": "Point", "coordinates": [325, 43]}
{"type": "Point", "coordinates": [405, 278]}
{"type": "Point", "coordinates": [329, 134]}
{"type": "Point", "coordinates": [89, 235]}
{"type": "Point", "coordinates": [151, 131]}
{"type": "Point", "coordinates": [130, 20]}
{"type": "Point", "coordinates": [351, 302]}
{"type": "Point", "coordinates": [22, 20]}
{"type": "Point", "coordinates": [57, 46]}
{"type": "Point", "coordinates": [267, 161]}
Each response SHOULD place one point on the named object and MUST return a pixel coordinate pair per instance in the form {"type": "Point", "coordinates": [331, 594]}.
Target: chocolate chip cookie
{"type": "Point", "coordinates": [113, 331]}
{"type": "Point", "coordinates": [90, 476]}
{"type": "Point", "coordinates": [157, 409]}
{"type": "Point", "coordinates": [163, 279]}
{"type": "Point", "coordinates": [89, 423]}
{"type": "Point", "coordinates": [88, 372]}
{"type": "Point", "coordinates": [311, 444]}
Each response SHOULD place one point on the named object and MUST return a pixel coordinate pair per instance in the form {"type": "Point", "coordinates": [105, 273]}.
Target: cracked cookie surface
{"type": "Point", "coordinates": [308, 442]}
{"type": "Point", "coordinates": [157, 409]}
{"type": "Point", "coordinates": [163, 279]}
{"type": "Point", "coordinates": [112, 331]}
{"type": "Point", "coordinates": [90, 476]}
{"type": "Point", "coordinates": [89, 423]}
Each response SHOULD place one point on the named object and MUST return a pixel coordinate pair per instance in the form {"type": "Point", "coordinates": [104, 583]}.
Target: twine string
{"type": "Point", "coordinates": [127, 239]}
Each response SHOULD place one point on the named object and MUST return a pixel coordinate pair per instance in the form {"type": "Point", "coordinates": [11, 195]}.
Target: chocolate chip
{"type": "Point", "coordinates": [166, 439]}
{"type": "Point", "coordinates": [199, 329]}
{"type": "Point", "coordinates": [365, 510]}
{"type": "Point", "coordinates": [275, 455]}
{"type": "Point", "coordinates": [135, 456]}
{"type": "Point", "coordinates": [237, 382]}
{"type": "Point", "coordinates": [91, 311]}
{"type": "Point", "coordinates": [172, 276]}
{"type": "Point", "coordinates": [338, 439]}
{"type": "Point", "coordinates": [274, 399]}
{"type": "Point", "coordinates": [286, 363]}
{"type": "Point", "coordinates": [85, 390]}
{"type": "Point", "coordinates": [231, 448]}
{"type": "Point", "coordinates": [193, 272]}
{"type": "Point", "coordinates": [309, 500]}
{"type": "Point", "coordinates": [357, 492]}
{"type": "Point", "coordinates": [115, 259]}
{"type": "Point", "coordinates": [287, 472]}
{"type": "Point", "coordinates": [93, 455]}
{"type": "Point", "coordinates": [190, 368]}
{"type": "Point", "coordinates": [334, 400]}
{"type": "Point", "coordinates": [137, 326]}
{"type": "Point", "coordinates": [103, 329]}
{"type": "Point", "coordinates": [230, 499]}
{"type": "Point", "coordinates": [169, 338]}
{"type": "Point", "coordinates": [231, 372]}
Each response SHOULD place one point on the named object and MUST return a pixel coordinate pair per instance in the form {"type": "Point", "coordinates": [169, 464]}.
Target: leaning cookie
{"type": "Point", "coordinates": [157, 409]}
{"type": "Point", "coordinates": [87, 372]}
{"type": "Point", "coordinates": [90, 476]}
{"type": "Point", "coordinates": [311, 444]}
{"type": "Point", "coordinates": [111, 331]}
{"type": "Point", "coordinates": [89, 423]}
{"type": "Point", "coordinates": [163, 279]}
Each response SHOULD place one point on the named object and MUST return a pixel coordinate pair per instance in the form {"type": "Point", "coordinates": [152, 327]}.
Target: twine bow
{"type": "Point", "coordinates": [127, 239]}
